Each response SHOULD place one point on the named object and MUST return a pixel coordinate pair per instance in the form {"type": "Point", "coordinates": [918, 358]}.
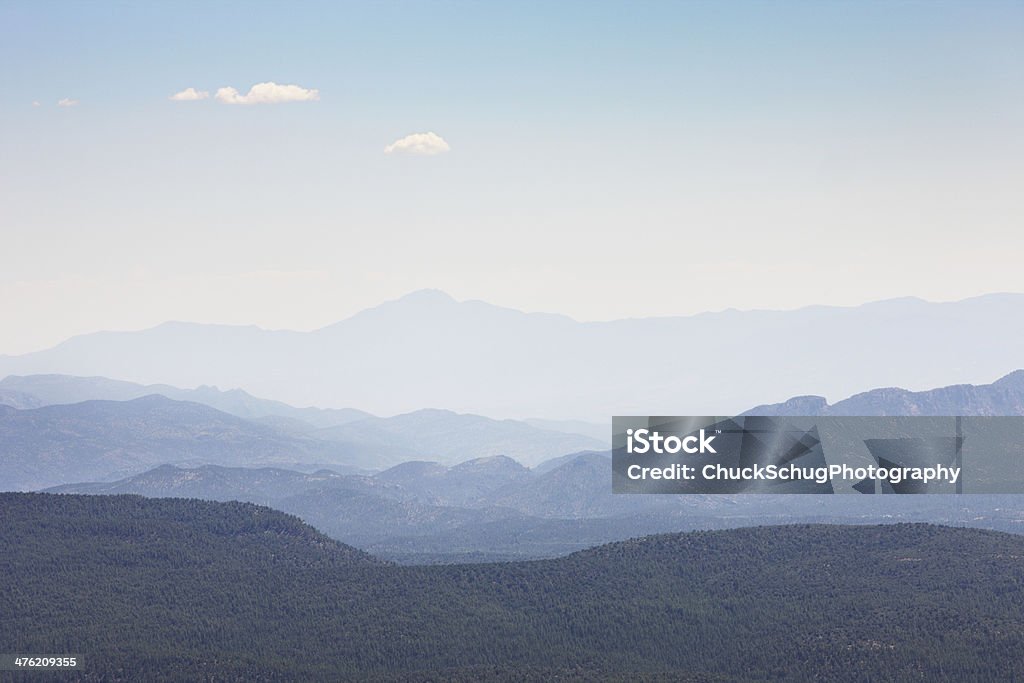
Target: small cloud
{"type": "Point", "coordinates": [189, 95]}
{"type": "Point", "coordinates": [35, 103]}
{"type": "Point", "coordinates": [67, 102]}
{"type": "Point", "coordinates": [424, 144]}
{"type": "Point", "coordinates": [268, 93]}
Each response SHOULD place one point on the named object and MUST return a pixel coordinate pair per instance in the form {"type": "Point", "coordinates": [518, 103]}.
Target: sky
{"type": "Point", "coordinates": [597, 159]}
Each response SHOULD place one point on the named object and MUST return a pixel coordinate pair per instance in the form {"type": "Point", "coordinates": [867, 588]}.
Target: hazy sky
{"type": "Point", "coordinates": [596, 159]}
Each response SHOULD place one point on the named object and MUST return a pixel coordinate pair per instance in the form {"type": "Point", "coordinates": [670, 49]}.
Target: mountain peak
{"type": "Point", "coordinates": [426, 296]}
{"type": "Point", "coordinates": [490, 463]}
{"type": "Point", "coordinates": [798, 405]}
{"type": "Point", "coordinates": [417, 304]}
{"type": "Point", "coordinates": [1014, 380]}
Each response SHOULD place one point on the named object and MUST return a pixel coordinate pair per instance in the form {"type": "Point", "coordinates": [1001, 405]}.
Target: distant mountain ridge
{"type": "Point", "coordinates": [450, 437]}
{"type": "Point", "coordinates": [34, 391]}
{"type": "Point", "coordinates": [426, 349]}
{"type": "Point", "coordinates": [100, 440]}
{"type": "Point", "coordinates": [110, 439]}
{"type": "Point", "coordinates": [1005, 396]}
{"type": "Point", "coordinates": [488, 507]}
{"type": "Point", "coordinates": [493, 509]}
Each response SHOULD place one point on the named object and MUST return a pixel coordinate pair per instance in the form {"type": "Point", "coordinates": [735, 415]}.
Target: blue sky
{"type": "Point", "coordinates": [606, 159]}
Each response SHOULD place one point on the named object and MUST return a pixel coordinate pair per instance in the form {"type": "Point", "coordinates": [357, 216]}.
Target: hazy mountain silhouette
{"type": "Point", "coordinates": [595, 430]}
{"type": "Point", "coordinates": [452, 438]}
{"type": "Point", "coordinates": [104, 440]}
{"type": "Point", "coordinates": [467, 484]}
{"type": "Point", "coordinates": [1003, 397]}
{"type": "Point", "coordinates": [33, 391]}
{"type": "Point", "coordinates": [426, 349]}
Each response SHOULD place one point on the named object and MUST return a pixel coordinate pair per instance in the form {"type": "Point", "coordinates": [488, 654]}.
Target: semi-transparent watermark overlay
{"type": "Point", "coordinates": [857, 455]}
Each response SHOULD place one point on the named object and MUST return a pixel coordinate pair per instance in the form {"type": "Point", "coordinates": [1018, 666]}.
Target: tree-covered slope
{"type": "Point", "coordinates": [147, 589]}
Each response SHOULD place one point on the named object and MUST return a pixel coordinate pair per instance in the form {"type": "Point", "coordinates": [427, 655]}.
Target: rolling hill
{"type": "Point", "coordinates": [165, 588]}
{"type": "Point", "coordinates": [494, 509]}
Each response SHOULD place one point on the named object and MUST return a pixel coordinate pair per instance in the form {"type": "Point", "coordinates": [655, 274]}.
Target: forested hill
{"type": "Point", "coordinates": [191, 532]}
{"type": "Point", "coordinates": [186, 590]}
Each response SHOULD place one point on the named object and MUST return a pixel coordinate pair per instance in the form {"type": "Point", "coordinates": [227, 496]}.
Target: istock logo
{"type": "Point", "coordinates": [647, 441]}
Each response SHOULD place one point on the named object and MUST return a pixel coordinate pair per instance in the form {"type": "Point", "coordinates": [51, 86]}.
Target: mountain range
{"type": "Point", "coordinates": [1003, 397]}
{"type": "Point", "coordinates": [427, 349]}
{"type": "Point", "coordinates": [63, 442]}
{"type": "Point", "coordinates": [492, 509]}
{"type": "Point", "coordinates": [101, 440]}
{"type": "Point", "coordinates": [446, 491]}
{"type": "Point", "coordinates": [110, 439]}
{"type": "Point", "coordinates": [35, 391]}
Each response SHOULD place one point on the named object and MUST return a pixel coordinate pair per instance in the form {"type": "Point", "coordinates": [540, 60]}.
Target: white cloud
{"type": "Point", "coordinates": [35, 103]}
{"type": "Point", "coordinates": [425, 144]}
{"type": "Point", "coordinates": [268, 93]}
{"type": "Point", "coordinates": [67, 102]}
{"type": "Point", "coordinates": [189, 95]}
